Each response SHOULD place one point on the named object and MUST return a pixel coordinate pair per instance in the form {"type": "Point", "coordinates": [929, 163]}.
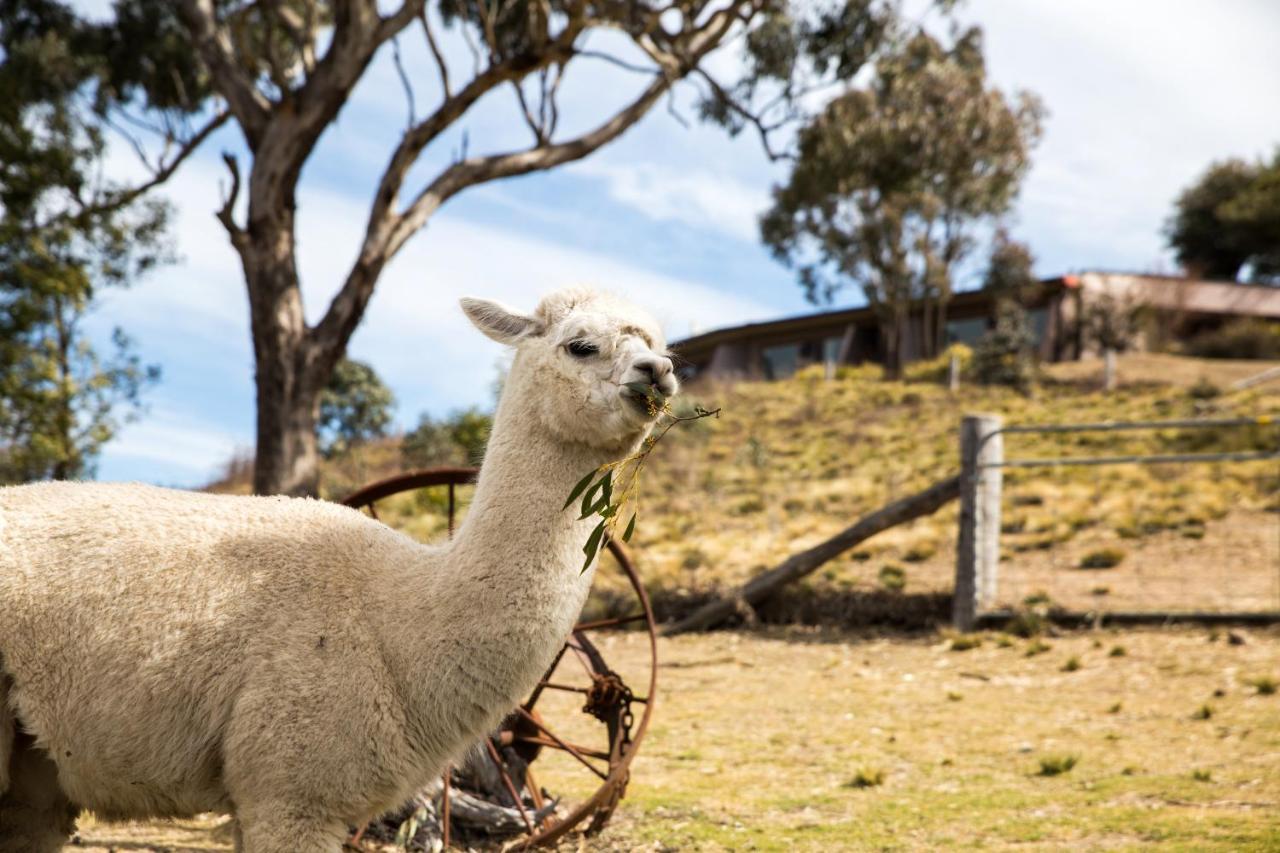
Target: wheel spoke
{"type": "Point", "coordinates": [537, 691]}
{"type": "Point", "coordinates": [549, 685]}
{"type": "Point", "coordinates": [608, 623]}
{"type": "Point", "coordinates": [566, 747]}
{"type": "Point", "coordinates": [510, 786]}
{"type": "Point", "coordinates": [551, 744]}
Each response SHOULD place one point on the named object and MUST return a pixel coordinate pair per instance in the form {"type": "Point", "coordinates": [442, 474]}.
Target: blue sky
{"type": "Point", "coordinates": [1142, 96]}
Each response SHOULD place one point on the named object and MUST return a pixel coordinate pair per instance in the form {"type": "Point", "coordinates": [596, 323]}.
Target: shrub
{"type": "Point", "coordinates": [1243, 338]}
{"type": "Point", "coordinates": [1056, 765]}
{"type": "Point", "coordinates": [939, 369]}
{"type": "Point", "coordinates": [693, 558]}
{"type": "Point", "coordinates": [1202, 775]}
{"type": "Point", "coordinates": [965, 642]}
{"type": "Point", "coordinates": [1103, 558]}
{"type": "Point", "coordinates": [1025, 623]}
{"type": "Point", "coordinates": [893, 577]}
{"type": "Point", "coordinates": [1072, 664]}
{"type": "Point", "coordinates": [1037, 647]}
{"type": "Point", "coordinates": [1003, 356]}
{"type": "Point", "coordinates": [1203, 389]}
{"type": "Point", "coordinates": [1117, 652]}
{"type": "Point", "coordinates": [919, 552]}
{"type": "Point", "coordinates": [866, 777]}
{"type": "Point", "coordinates": [1204, 712]}
{"type": "Point", "coordinates": [1264, 684]}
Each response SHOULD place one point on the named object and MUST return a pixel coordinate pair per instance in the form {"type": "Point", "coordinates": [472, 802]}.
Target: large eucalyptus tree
{"type": "Point", "coordinates": [282, 70]}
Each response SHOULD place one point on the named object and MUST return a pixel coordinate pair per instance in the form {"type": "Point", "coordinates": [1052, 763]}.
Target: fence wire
{"type": "Point", "coordinates": [1192, 528]}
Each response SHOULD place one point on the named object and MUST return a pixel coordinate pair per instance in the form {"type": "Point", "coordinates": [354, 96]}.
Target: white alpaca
{"type": "Point", "coordinates": [292, 662]}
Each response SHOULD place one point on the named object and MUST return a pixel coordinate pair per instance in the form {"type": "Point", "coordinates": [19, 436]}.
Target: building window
{"type": "Point", "coordinates": [780, 362]}
{"type": "Point", "coordinates": [831, 350]}
{"type": "Point", "coordinates": [966, 331]}
{"type": "Point", "coordinates": [1038, 320]}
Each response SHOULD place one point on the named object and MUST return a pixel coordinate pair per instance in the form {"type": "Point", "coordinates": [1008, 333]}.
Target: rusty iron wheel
{"type": "Point", "coordinates": [525, 733]}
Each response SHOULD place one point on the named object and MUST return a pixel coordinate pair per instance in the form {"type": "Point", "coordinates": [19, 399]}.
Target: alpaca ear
{"type": "Point", "coordinates": [498, 321]}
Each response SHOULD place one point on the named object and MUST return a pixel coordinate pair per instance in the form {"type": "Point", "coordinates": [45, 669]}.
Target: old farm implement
{"type": "Point", "coordinates": [495, 794]}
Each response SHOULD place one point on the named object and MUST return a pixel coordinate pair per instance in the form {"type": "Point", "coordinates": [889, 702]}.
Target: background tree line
{"type": "Point", "coordinates": [902, 156]}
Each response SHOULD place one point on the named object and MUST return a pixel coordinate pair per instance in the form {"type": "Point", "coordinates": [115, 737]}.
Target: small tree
{"type": "Point", "coordinates": [355, 407]}
{"type": "Point", "coordinates": [64, 234]}
{"type": "Point", "coordinates": [1112, 321]}
{"type": "Point", "coordinates": [891, 178]}
{"type": "Point", "coordinates": [1009, 274]}
{"type": "Point", "coordinates": [1229, 219]}
{"type": "Point", "coordinates": [1005, 354]}
{"type": "Point", "coordinates": [459, 439]}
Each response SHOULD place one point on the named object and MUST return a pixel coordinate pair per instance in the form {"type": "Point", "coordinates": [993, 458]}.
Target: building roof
{"type": "Point", "coordinates": [1174, 292]}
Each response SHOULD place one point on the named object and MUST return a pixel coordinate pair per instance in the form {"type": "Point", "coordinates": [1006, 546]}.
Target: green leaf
{"type": "Point", "coordinates": [589, 499]}
{"type": "Point", "coordinates": [631, 528]}
{"type": "Point", "coordinates": [608, 486]}
{"type": "Point", "coordinates": [592, 546]}
{"type": "Point", "coordinates": [577, 490]}
{"type": "Point", "coordinates": [596, 507]}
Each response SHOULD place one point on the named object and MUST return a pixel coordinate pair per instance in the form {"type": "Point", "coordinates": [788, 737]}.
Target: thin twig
{"type": "Point", "coordinates": [404, 80]}
{"type": "Point", "coordinates": [435, 52]}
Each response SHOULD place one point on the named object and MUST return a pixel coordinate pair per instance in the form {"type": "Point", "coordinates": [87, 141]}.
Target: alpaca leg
{"type": "Point", "coordinates": [35, 815]}
{"type": "Point", "coordinates": [280, 830]}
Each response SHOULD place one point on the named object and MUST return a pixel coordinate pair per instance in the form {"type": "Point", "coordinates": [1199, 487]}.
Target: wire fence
{"type": "Point", "coordinates": [1144, 519]}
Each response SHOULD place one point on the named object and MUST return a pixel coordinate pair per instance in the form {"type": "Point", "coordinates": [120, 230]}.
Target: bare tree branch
{"type": "Point", "coordinates": [161, 173]}
{"type": "Point", "coordinates": [435, 52]}
{"type": "Point", "coordinates": [226, 214]}
{"type": "Point", "coordinates": [404, 80]}
{"type": "Point", "coordinates": [621, 63]}
{"type": "Point", "coordinates": [387, 231]}
{"type": "Point", "coordinates": [250, 107]}
{"type": "Point", "coordinates": [539, 136]}
{"type": "Point", "coordinates": [751, 118]}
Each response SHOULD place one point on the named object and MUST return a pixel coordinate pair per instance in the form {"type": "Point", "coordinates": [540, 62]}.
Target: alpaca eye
{"type": "Point", "coordinates": [582, 349]}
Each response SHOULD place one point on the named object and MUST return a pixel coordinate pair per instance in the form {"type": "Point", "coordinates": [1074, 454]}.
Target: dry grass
{"type": "Point", "coordinates": [758, 736]}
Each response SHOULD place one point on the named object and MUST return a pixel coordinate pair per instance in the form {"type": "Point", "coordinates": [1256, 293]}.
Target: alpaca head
{"type": "Point", "coordinates": [575, 355]}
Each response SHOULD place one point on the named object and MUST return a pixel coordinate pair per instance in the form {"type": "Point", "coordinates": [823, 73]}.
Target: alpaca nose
{"type": "Point", "coordinates": [657, 370]}
{"type": "Point", "coordinates": [655, 367]}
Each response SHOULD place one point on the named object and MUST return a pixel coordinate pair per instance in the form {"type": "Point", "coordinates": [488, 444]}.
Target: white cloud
{"type": "Point", "coordinates": [701, 198]}
{"type": "Point", "coordinates": [1142, 96]}
{"type": "Point", "coordinates": [174, 442]}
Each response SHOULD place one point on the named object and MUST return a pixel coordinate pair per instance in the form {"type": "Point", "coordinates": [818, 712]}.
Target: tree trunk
{"type": "Point", "coordinates": [288, 376]}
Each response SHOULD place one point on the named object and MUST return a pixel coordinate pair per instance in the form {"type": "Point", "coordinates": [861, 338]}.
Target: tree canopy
{"type": "Point", "coordinates": [1228, 222]}
{"type": "Point", "coordinates": [169, 74]}
{"type": "Point", "coordinates": [355, 407]}
{"type": "Point", "coordinates": [65, 233]}
{"type": "Point", "coordinates": [891, 178]}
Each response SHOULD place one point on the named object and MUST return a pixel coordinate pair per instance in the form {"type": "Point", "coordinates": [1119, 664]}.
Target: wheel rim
{"type": "Point", "coordinates": [525, 732]}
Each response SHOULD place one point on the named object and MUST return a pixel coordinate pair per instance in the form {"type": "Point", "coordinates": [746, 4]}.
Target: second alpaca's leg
{"type": "Point", "coordinates": [279, 829]}
{"type": "Point", "coordinates": [35, 815]}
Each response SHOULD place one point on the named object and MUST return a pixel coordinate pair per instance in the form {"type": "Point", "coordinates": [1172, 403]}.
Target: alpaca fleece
{"type": "Point", "coordinates": [290, 661]}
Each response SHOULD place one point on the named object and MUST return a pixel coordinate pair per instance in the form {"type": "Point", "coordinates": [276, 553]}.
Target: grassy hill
{"type": "Point", "coordinates": [790, 463]}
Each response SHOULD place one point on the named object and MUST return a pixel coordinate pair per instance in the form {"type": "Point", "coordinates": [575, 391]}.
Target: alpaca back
{"type": "Point", "coordinates": [134, 616]}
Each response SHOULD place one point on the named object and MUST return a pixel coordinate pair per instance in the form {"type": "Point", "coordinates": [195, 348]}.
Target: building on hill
{"type": "Point", "coordinates": [1174, 309]}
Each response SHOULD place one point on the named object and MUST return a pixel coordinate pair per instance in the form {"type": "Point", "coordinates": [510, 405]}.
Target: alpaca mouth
{"type": "Point", "coordinates": [645, 404]}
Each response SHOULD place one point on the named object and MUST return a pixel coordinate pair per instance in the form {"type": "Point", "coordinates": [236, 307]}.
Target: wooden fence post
{"type": "Point", "coordinates": [978, 543]}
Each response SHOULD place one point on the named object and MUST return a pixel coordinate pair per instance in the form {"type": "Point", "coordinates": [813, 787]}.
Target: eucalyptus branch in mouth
{"type": "Point", "coordinates": [603, 495]}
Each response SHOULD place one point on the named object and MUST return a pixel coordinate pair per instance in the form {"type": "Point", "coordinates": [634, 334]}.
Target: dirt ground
{"type": "Point", "coordinates": [812, 740]}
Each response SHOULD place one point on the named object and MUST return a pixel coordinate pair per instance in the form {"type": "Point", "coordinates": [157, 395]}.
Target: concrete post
{"type": "Point", "coordinates": [1109, 369]}
{"type": "Point", "coordinates": [978, 543]}
{"type": "Point", "coordinates": [953, 374]}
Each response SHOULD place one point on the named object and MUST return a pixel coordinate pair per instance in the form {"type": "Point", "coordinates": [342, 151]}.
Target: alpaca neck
{"type": "Point", "coordinates": [503, 596]}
